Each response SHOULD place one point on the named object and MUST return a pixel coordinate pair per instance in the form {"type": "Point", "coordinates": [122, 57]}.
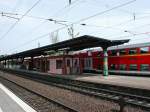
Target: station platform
{"type": "Point", "coordinates": [114, 80]}
{"type": "Point", "coordinates": [9, 102]}
{"type": "Point", "coordinates": [125, 81]}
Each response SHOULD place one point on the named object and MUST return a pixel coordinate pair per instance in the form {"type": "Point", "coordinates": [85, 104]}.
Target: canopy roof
{"type": "Point", "coordinates": [74, 44]}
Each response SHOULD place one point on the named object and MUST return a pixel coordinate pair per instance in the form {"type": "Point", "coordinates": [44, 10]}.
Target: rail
{"type": "Point", "coordinates": [70, 109]}
{"type": "Point", "coordinates": [121, 98]}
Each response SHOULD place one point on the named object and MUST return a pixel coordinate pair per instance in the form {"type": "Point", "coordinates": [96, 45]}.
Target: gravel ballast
{"type": "Point", "coordinates": [80, 102]}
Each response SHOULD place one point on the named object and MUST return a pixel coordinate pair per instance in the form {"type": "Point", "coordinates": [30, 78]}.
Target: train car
{"type": "Point", "coordinates": [133, 59]}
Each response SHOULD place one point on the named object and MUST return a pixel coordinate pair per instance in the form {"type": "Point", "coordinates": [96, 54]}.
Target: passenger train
{"type": "Point", "coordinates": [123, 59]}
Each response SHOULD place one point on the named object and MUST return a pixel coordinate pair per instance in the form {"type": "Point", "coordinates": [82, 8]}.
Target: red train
{"type": "Point", "coordinates": [128, 57]}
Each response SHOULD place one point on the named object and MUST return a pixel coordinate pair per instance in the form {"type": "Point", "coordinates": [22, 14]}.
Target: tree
{"type": "Point", "coordinates": [54, 37]}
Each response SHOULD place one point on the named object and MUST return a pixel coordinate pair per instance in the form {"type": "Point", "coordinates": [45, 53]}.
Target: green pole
{"type": "Point", "coordinates": [105, 62]}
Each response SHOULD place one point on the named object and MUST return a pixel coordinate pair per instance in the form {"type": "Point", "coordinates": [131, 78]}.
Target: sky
{"type": "Point", "coordinates": [24, 25]}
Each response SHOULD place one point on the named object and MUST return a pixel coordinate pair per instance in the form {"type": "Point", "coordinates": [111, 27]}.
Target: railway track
{"type": "Point", "coordinates": [123, 99]}
{"type": "Point", "coordinates": [44, 103]}
{"type": "Point", "coordinates": [119, 97]}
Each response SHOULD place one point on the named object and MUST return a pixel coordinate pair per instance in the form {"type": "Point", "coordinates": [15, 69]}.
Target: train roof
{"type": "Point", "coordinates": [139, 45]}
{"type": "Point", "coordinates": [129, 46]}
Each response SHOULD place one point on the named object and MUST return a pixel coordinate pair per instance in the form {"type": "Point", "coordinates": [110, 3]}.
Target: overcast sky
{"type": "Point", "coordinates": [128, 21]}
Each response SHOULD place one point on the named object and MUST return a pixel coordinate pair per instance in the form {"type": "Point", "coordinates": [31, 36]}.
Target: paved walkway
{"type": "Point", "coordinates": [9, 102]}
{"type": "Point", "coordinates": [127, 81]}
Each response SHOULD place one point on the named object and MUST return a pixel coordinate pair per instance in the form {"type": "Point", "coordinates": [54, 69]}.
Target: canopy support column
{"type": "Point", "coordinates": [105, 62]}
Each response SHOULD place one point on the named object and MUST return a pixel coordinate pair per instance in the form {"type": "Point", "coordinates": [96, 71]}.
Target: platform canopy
{"type": "Point", "coordinates": [74, 44]}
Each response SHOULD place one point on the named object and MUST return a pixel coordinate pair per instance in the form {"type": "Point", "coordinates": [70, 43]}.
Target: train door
{"type": "Point", "coordinates": [43, 65]}
{"type": "Point", "coordinates": [68, 65]}
{"type": "Point", "coordinates": [88, 63]}
{"type": "Point", "coordinates": [76, 66]}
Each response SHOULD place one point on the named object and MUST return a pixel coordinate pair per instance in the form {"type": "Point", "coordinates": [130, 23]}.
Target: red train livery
{"type": "Point", "coordinates": [125, 57]}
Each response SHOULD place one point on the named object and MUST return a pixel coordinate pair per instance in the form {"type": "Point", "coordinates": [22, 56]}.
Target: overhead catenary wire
{"type": "Point", "coordinates": [106, 27]}
{"type": "Point", "coordinates": [127, 36]}
{"type": "Point", "coordinates": [135, 34]}
{"type": "Point", "coordinates": [35, 28]}
{"type": "Point", "coordinates": [129, 30]}
{"type": "Point", "coordinates": [73, 2]}
{"type": "Point", "coordinates": [122, 30]}
{"type": "Point", "coordinates": [42, 36]}
{"type": "Point", "coordinates": [124, 23]}
{"type": "Point", "coordinates": [12, 26]}
{"type": "Point", "coordinates": [98, 2]}
{"type": "Point", "coordinates": [35, 17]}
{"type": "Point", "coordinates": [146, 33]}
{"type": "Point", "coordinates": [103, 27]}
{"type": "Point", "coordinates": [103, 12]}
{"type": "Point", "coordinates": [89, 17]}
{"type": "Point", "coordinates": [114, 26]}
{"type": "Point", "coordinates": [69, 5]}
{"type": "Point", "coordinates": [30, 41]}
{"type": "Point", "coordinates": [45, 19]}
{"type": "Point", "coordinates": [130, 20]}
{"type": "Point", "coordinates": [133, 13]}
{"type": "Point", "coordinates": [100, 13]}
{"type": "Point", "coordinates": [17, 14]}
{"type": "Point", "coordinates": [127, 21]}
{"type": "Point", "coordinates": [10, 16]}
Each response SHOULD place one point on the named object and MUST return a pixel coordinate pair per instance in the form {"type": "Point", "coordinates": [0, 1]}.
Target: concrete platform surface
{"type": "Point", "coordinates": [9, 102]}
{"type": "Point", "coordinates": [126, 81]}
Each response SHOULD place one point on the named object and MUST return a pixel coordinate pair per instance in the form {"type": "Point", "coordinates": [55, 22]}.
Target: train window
{"type": "Point", "coordinates": [144, 67]}
{"type": "Point", "coordinates": [144, 50]}
{"type": "Point", "coordinates": [133, 67]}
{"type": "Point", "coordinates": [58, 64]}
{"type": "Point", "coordinates": [88, 62]}
{"type": "Point", "coordinates": [122, 67]}
{"type": "Point", "coordinates": [132, 51]}
{"type": "Point", "coordinates": [112, 66]}
{"type": "Point", "coordinates": [122, 52]}
{"type": "Point", "coordinates": [113, 53]}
